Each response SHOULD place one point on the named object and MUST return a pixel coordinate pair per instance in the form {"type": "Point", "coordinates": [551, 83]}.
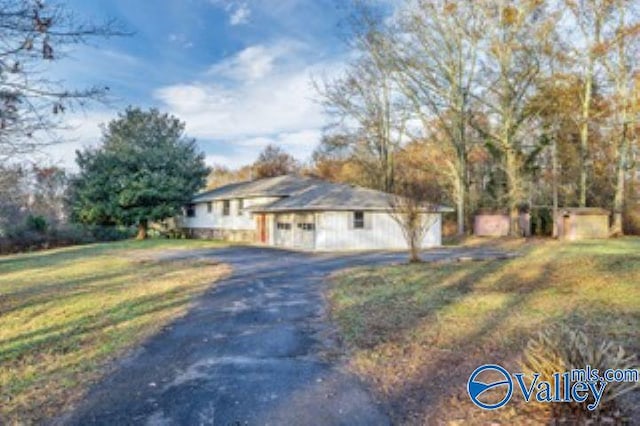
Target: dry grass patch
{"type": "Point", "coordinates": [417, 331]}
{"type": "Point", "coordinates": [64, 314]}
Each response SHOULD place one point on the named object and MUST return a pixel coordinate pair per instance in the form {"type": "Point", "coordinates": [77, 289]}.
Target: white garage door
{"type": "Point", "coordinates": [295, 230]}
{"type": "Point", "coordinates": [284, 231]}
{"type": "Point", "coordinates": [304, 233]}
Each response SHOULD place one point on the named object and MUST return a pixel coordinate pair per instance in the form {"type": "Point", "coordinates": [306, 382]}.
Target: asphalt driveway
{"type": "Point", "coordinates": [256, 349]}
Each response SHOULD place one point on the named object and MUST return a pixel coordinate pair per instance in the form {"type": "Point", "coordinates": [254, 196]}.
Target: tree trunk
{"type": "Point", "coordinates": [584, 144]}
{"type": "Point", "coordinates": [462, 195]}
{"type": "Point", "coordinates": [142, 230]}
{"type": "Point", "coordinates": [514, 193]}
{"type": "Point", "coordinates": [461, 215]}
{"type": "Point", "coordinates": [586, 114]}
{"type": "Point", "coordinates": [554, 162]}
{"type": "Point", "coordinates": [414, 255]}
{"type": "Point", "coordinates": [618, 201]}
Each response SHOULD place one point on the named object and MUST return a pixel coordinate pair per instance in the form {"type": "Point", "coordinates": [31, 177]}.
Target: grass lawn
{"type": "Point", "coordinates": [65, 314]}
{"type": "Point", "coordinates": [415, 332]}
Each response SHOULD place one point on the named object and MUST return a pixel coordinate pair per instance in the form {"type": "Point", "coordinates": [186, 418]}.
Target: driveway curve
{"type": "Point", "coordinates": [255, 349]}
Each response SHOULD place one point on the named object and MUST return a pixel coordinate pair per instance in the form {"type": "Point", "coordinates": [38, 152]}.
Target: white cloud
{"type": "Point", "coordinates": [81, 130]}
{"type": "Point", "coordinates": [240, 15]}
{"type": "Point", "coordinates": [282, 103]}
{"type": "Point", "coordinates": [299, 144]}
{"type": "Point", "coordinates": [181, 40]}
{"type": "Point", "coordinates": [239, 11]}
{"type": "Point", "coordinates": [259, 96]}
{"type": "Point", "coordinates": [254, 62]}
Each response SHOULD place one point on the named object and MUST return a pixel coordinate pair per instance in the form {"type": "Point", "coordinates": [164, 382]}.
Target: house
{"type": "Point", "coordinates": [303, 213]}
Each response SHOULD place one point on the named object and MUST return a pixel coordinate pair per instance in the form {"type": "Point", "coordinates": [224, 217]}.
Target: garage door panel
{"type": "Point", "coordinates": [304, 233]}
{"type": "Point", "coordinates": [297, 231]}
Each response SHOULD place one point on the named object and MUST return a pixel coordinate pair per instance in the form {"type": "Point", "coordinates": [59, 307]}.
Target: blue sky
{"type": "Point", "coordinates": [238, 72]}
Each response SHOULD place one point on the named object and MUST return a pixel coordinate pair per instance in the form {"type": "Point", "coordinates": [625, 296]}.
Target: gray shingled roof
{"type": "Point", "coordinates": [280, 186]}
{"type": "Point", "coordinates": [304, 194]}
{"type": "Point", "coordinates": [320, 195]}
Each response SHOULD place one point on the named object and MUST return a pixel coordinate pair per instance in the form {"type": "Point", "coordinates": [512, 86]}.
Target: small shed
{"type": "Point", "coordinates": [582, 223]}
{"type": "Point", "coordinates": [489, 223]}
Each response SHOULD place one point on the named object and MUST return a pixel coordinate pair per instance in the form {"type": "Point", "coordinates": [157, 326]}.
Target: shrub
{"type": "Point", "coordinates": [69, 235]}
{"type": "Point", "coordinates": [36, 224]}
{"type": "Point", "coordinates": [25, 239]}
{"type": "Point", "coordinates": [560, 349]}
{"type": "Point", "coordinates": [631, 220]}
{"type": "Point", "coordinates": [111, 233]}
{"type": "Point", "coordinates": [541, 221]}
{"type": "Point", "coordinates": [34, 236]}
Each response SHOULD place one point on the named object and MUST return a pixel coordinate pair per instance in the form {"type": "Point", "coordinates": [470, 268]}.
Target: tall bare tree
{"type": "Point", "coordinates": [32, 34]}
{"type": "Point", "coordinates": [622, 67]}
{"type": "Point", "coordinates": [519, 34]}
{"type": "Point", "coordinates": [436, 52]}
{"type": "Point", "coordinates": [586, 49]}
{"type": "Point", "coordinates": [366, 103]}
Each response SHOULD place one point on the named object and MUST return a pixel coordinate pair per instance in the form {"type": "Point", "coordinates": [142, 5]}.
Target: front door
{"type": "Point", "coordinates": [262, 228]}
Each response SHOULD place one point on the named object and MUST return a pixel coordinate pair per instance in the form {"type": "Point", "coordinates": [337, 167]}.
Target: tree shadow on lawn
{"type": "Point", "coordinates": [423, 369]}
{"type": "Point", "coordinates": [38, 261]}
{"type": "Point", "coordinates": [74, 351]}
{"type": "Point", "coordinates": [45, 259]}
{"type": "Point", "coordinates": [36, 293]}
{"type": "Point", "coordinates": [74, 331]}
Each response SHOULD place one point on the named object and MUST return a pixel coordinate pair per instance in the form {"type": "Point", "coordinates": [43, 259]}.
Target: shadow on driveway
{"type": "Point", "coordinates": [249, 352]}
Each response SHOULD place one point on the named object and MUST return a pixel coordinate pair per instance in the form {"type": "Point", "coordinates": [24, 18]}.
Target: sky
{"type": "Point", "coordinates": [238, 72]}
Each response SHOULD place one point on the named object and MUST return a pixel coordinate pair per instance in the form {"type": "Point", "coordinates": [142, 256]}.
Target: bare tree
{"type": "Point", "coordinates": [13, 196]}
{"type": "Point", "coordinates": [48, 193]}
{"type": "Point", "coordinates": [274, 161]}
{"type": "Point", "coordinates": [366, 103]}
{"type": "Point", "coordinates": [622, 65]}
{"type": "Point", "coordinates": [436, 51]}
{"type": "Point", "coordinates": [590, 17]}
{"type": "Point", "coordinates": [519, 33]}
{"type": "Point", "coordinates": [32, 34]}
{"type": "Point", "coordinates": [412, 208]}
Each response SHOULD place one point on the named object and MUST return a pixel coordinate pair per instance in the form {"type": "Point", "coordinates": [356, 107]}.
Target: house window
{"type": "Point", "coordinates": [240, 206]}
{"type": "Point", "coordinates": [209, 207]}
{"type": "Point", "coordinates": [283, 226]}
{"type": "Point", "coordinates": [226, 207]}
{"type": "Point", "coordinates": [191, 210]}
{"type": "Point", "coordinates": [358, 220]}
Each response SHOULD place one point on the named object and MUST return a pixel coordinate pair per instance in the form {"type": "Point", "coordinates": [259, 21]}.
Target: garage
{"type": "Point", "coordinates": [295, 231]}
{"type": "Point", "coordinates": [283, 235]}
{"type": "Point", "coordinates": [304, 234]}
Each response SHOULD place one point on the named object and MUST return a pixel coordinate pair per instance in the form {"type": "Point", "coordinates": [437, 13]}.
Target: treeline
{"type": "Point", "coordinates": [506, 105]}
{"type": "Point", "coordinates": [36, 213]}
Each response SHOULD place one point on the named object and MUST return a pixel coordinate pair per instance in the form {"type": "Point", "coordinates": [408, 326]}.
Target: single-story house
{"type": "Point", "coordinates": [303, 213]}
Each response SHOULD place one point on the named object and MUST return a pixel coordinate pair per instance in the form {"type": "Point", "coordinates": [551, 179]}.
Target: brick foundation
{"type": "Point", "coordinates": [233, 235]}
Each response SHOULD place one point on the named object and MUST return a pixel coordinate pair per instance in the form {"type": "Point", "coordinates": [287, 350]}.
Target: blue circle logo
{"type": "Point", "coordinates": [476, 388]}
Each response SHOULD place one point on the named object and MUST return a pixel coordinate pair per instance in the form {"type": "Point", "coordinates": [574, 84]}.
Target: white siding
{"type": "Point", "coordinates": [334, 231]}
{"type": "Point", "coordinates": [215, 219]}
